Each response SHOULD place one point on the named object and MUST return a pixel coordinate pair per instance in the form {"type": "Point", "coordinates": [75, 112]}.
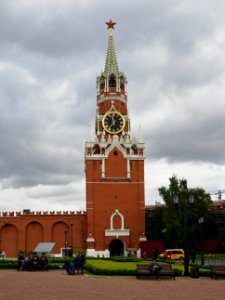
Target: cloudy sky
{"type": "Point", "coordinates": [173, 54]}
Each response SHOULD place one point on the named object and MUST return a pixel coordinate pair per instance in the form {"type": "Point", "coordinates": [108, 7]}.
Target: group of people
{"type": "Point", "coordinates": [33, 262]}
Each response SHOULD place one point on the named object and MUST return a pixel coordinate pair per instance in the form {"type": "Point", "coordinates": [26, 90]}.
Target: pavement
{"type": "Point", "coordinates": [56, 285]}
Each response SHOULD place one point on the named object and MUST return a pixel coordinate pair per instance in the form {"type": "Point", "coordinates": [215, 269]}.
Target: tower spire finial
{"type": "Point", "coordinates": [110, 24]}
{"type": "Point", "coordinates": [111, 65]}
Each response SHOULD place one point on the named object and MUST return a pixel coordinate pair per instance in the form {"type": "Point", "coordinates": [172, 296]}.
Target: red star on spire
{"type": "Point", "coordinates": [110, 24]}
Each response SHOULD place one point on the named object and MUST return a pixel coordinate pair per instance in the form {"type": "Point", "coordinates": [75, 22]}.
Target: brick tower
{"type": "Point", "coordinates": [114, 166]}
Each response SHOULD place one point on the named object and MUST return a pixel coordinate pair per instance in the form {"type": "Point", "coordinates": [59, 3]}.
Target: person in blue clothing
{"type": "Point", "coordinates": [21, 262]}
{"type": "Point", "coordinates": [76, 263]}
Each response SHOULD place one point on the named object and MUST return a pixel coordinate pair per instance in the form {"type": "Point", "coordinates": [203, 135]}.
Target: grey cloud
{"type": "Point", "coordinates": [50, 55]}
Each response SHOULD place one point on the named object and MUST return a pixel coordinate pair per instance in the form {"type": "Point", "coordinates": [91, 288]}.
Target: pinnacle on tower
{"type": "Point", "coordinates": [111, 65]}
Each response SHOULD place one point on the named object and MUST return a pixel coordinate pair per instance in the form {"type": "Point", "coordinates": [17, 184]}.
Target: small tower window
{"type": "Point", "coordinates": [122, 83]}
{"type": "Point", "coordinates": [134, 148]}
{"type": "Point", "coordinates": [115, 152]}
{"type": "Point", "coordinates": [112, 81]}
{"type": "Point", "coordinates": [96, 149]}
{"type": "Point", "coordinates": [102, 83]}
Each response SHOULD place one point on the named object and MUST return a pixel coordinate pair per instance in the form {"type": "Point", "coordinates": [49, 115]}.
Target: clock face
{"type": "Point", "coordinates": [113, 122]}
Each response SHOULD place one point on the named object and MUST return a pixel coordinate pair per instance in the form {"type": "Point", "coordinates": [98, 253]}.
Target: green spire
{"type": "Point", "coordinates": [111, 65]}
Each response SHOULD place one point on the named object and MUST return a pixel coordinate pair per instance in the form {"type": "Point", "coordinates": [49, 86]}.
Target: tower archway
{"type": "Point", "coordinates": [116, 248]}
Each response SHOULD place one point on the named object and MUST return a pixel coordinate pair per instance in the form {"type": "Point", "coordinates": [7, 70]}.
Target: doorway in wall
{"type": "Point", "coordinates": [116, 248]}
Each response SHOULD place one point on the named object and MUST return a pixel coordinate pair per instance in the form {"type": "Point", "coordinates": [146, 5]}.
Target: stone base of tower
{"type": "Point", "coordinates": [95, 253]}
{"type": "Point", "coordinates": [106, 253]}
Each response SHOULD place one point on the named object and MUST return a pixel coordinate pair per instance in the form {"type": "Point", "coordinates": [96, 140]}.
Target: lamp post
{"type": "Point", "coordinates": [201, 221]}
{"type": "Point", "coordinates": [65, 243]}
{"type": "Point", "coordinates": [185, 207]}
{"type": "Point", "coordinates": [71, 237]}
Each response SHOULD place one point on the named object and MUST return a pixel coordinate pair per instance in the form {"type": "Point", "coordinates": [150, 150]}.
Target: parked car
{"type": "Point", "coordinates": [172, 254]}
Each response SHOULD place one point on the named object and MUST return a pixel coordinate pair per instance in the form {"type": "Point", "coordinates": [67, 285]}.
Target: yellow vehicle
{"type": "Point", "coordinates": [172, 254]}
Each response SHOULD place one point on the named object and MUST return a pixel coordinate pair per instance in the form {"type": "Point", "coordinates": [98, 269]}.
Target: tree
{"type": "Point", "coordinates": [154, 223]}
{"type": "Point", "coordinates": [222, 238]}
{"type": "Point", "coordinates": [181, 218]}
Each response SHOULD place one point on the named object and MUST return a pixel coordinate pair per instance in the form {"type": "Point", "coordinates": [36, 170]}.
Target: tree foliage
{"type": "Point", "coordinates": [222, 238]}
{"type": "Point", "coordinates": [181, 220]}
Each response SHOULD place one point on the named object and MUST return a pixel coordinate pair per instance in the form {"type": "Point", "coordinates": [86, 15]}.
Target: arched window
{"type": "Point", "coordinates": [96, 149]}
{"type": "Point", "coordinates": [122, 83]}
{"type": "Point", "coordinates": [134, 148]}
{"type": "Point", "coordinates": [102, 83]}
{"type": "Point", "coordinates": [112, 81]}
{"type": "Point", "coordinates": [121, 219]}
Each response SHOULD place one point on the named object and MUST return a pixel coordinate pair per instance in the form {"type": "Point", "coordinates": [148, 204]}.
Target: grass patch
{"type": "Point", "coordinates": [108, 264]}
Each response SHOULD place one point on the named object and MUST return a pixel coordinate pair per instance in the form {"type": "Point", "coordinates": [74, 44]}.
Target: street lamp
{"type": "Point", "coordinates": [65, 244]}
{"type": "Point", "coordinates": [201, 221]}
{"type": "Point", "coordinates": [185, 207]}
{"type": "Point", "coordinates": [71, 237]}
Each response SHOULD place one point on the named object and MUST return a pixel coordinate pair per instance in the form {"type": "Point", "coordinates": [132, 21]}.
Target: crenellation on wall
{"type": "Point", "coordinates": [15, 214]}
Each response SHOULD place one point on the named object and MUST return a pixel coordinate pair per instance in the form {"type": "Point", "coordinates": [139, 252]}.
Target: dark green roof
{"type": "Point", "coordinates": [111, 65]}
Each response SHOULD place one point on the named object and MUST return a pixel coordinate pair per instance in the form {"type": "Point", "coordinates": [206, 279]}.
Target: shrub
{"type": "Point", "coordinates": [178, 271]}
{"type": "Point", "coordinates": [108, 271]}
{"type": "Point", "coordinates": [8, 265]}
{"type": "Point", "coordinates": [125, 259]}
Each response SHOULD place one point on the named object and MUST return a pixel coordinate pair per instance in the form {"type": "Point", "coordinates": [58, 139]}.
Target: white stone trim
{"type": "Point", "coordinates": [115, 143]}
{"type": "Point", "coordinates": [103, 168]}
{"type": "Point", "coordinates": [139, 253]}
{"type": "Point", "coordinates": [94, 253]}
{"type": "Point", "coordinates": [117, 232]}
{"type": "Point", "coordinates": [116, 213]}
{"type": "Point", "coordinates": [90, 240]}
{"type": "Point", "coordinates": [128, 168]}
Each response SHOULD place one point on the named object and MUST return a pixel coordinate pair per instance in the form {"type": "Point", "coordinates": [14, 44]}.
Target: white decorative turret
{"type": "Point", "coordinates": [140, 134]}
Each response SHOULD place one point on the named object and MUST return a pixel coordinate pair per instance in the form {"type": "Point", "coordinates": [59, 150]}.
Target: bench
{"type": "Point", "coordinates": [217, 270]}
{"type": "Point", "coordinates": [79, 269]}
{"type": "Point", "coordinates": [166, 270]}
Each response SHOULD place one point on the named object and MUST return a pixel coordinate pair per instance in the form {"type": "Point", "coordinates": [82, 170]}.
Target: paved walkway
{"type": "Point", "coordinates": [56, 285]}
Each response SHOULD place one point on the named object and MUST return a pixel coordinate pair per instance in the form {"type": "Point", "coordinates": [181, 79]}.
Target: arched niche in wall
{"type": "Point", "coordinates": [60, 235]}
{"type": "Point", "coordinates": [9, 240]}
{"type": "Point", "coordinates": [34, 235]}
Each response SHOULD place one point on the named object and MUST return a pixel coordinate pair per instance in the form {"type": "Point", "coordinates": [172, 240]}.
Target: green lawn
{"type": "Point", "coordinates": [108, 264]}
{"type": "Point", "coordinates": [131, 266]}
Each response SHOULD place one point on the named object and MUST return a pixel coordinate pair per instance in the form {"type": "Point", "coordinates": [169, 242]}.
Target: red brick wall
{"type": "Point", "coordinates": [24, 232]}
